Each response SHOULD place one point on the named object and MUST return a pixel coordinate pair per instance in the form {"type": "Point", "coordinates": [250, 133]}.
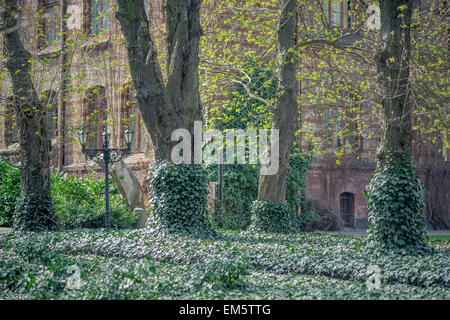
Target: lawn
{"type": "Point", "coordinates": [143, 264]}
{"type": "Point", "coordinates": [439, 238]}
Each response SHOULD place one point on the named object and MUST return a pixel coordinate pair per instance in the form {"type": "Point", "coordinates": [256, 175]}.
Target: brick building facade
{"type": "Point", "coordinates": [98, 93]}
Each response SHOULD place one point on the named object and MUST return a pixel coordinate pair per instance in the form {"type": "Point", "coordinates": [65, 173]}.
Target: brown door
{"type": "Point", "coordinates": [347, 199]}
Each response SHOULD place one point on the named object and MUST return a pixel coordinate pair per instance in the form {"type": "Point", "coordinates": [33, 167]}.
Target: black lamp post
{"type": "Point", "coordinates": [106, 155]}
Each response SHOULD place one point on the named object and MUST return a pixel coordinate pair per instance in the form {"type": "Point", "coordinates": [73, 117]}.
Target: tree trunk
{"type": "Point", "coordinates": [394, 192]}
{"type": "Point", "coordinates": [285, 118]}
{"type": "Point", "coordinates": [393, 68]}
{"type": "Point", "coordinates": [175, 105]}
{"type": "Point", "coordinates": [35, 210]}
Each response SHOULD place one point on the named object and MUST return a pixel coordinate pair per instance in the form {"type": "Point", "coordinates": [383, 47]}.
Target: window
{"type": "Point", "coordinates": [95, 116]}
{"type": "Point", "coordinates": [132, 119]}
{"type": "Point", "coordinates": [21, 20]}
{"type": "Point", "coordinates": [98, 16]}
{"type": "Point", "coordinates": [338, 13]}
{"type": "Point", "coordinates": [11, 129]}
{"type": "Point", "coordinates": [342, 131]}
{"type": "Point", "coordinates": [51, 103]}
{"type": "Point", "coordinates": [51, 21]}
{"type": "Point", "coordinates": [347, 208]}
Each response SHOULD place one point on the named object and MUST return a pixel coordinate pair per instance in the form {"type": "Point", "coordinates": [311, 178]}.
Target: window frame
{"type": "Point", "coordinates": [56, 39]}
{"type": "Point", "coordinates": [345, 5]}
{"type": "Point", "coordinates": [89, 27]}
{"type": "Point", "coordinates": [20, 20]}
{"type": "Point", "coordinates": [93, 102]}
{"type": "Point", "coordinates": [356, 147]}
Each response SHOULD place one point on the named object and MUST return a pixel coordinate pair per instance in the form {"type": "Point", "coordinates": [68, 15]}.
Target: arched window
{"type": "Point", "coordinates": [132, 118]}
{"type": "Point", "coordinates": [347, 207]}
{"type": "Point", "coordinates": [95, 115]}
{"type": "Point", "coordinates": [51, 21]}
{"type": "Point", "coordinates": [96, 16]}
{"type": "Point", "coordinates": [21, 20]}
{"type": "Point", "coordinates": [341, 126]}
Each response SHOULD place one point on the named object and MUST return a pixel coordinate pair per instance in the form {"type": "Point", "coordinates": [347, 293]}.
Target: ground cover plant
{"type": "Point", "coordinates": [143, 264]}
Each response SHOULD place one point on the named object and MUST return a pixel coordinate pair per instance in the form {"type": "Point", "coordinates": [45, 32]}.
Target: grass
{"type": "Point", "coordinates": [234, 265]}
{"type": "Point", "coordinates": [439, 238]}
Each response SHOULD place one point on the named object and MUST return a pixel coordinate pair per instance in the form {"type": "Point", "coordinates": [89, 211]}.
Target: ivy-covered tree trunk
{"type": "Point", "coordinates": [168, 106]}
{"type": "Point", "coordinates": [35, 209]}
{"type": "Point", "coordinates": [395, 200]}
{"type": "Point", "coordinates": [176, 104]}
{"type": "Point", "coordinates": [272, 188]}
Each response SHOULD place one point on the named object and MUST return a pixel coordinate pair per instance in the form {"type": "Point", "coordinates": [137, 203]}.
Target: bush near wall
{"type": "Point", "coordinates": [240, 188]}
{"type": "Point", "coordinates": [79, 203]}
{"type": "Point", "coordinates": [9, 192]}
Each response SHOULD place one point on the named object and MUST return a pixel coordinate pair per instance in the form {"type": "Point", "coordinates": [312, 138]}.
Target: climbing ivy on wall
{"type": "Point", "coordinates": [241, 180]}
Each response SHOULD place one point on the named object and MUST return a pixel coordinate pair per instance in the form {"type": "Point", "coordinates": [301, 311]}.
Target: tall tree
{"type": "Point", "coordinates": [270, 211]}
{"type": "Point", "coordinates": [395, 199]}
{"type": "Point", "coordinates": [167, 106]}
{"type": "Point", "coordinates": [176, 103]}
{"type": "Point", "coordinates": [35, 210]}
{"type": "Point", "coordinates": [285, 114]}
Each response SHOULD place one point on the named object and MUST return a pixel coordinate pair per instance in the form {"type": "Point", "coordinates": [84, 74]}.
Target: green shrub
{"type": "Point", "coordinates": [9, 192]}
{"type": "Point", "coordinates": [35, 212]}
{"type": "Point", "coordinates": [179, 194]}
{"type": "Point", "coordinates": [80, 203]}
{"type": "Point", "coordinates": [272, 216]}
{"type": "Point", "coordinates": [240, 188]}
{"type": "Point", "coordinates": [296, 189]}
{"type": "Point", "coordinates": [307, 218]}
{"type": "Point", "coordinates": [240, 181]}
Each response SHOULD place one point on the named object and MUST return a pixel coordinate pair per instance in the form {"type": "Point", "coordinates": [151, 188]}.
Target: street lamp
{"type": "Point", "coordinates": [107, 156]}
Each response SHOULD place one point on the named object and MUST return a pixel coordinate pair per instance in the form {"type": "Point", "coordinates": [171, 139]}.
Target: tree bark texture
{"type": "Point", "coordinates": [34, 143]}
{"type": "Point", "coordinates": [285, 116]}
{"type": "Point", "coordinates": [393, 67]}
{"type": "Point", "coordinates": [176, 103]}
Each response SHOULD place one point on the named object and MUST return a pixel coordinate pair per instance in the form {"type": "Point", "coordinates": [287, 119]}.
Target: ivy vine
{"type": "Point", "coordinates": [395, 208]}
